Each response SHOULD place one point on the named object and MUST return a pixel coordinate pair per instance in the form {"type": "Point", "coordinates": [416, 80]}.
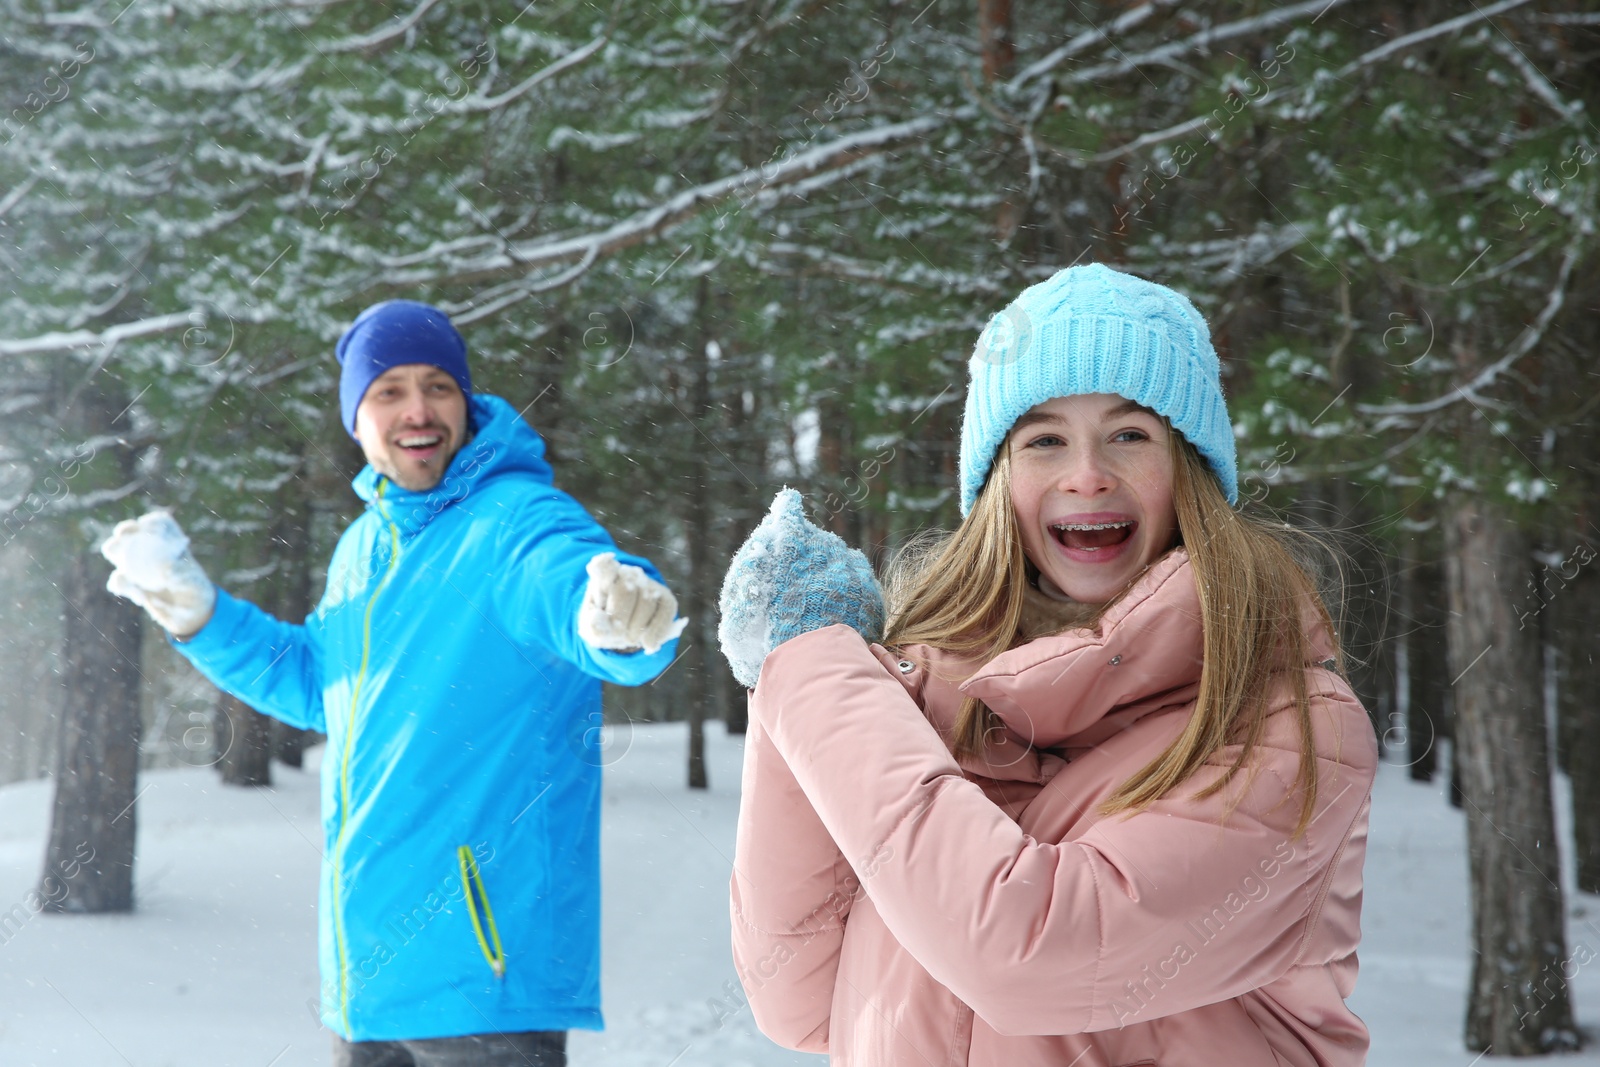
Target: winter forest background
{"type": "Point", "coordinates": [713, 247]}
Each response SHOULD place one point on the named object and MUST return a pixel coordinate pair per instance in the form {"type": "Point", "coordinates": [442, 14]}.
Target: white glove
{"type": "Point", "coordinates": [625, 609]}
{"type": "Point", "coordinates": [155, 570]}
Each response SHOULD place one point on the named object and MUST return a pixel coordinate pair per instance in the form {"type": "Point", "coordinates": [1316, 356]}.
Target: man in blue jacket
{"type": "Point", "coordinates": [455, 664]}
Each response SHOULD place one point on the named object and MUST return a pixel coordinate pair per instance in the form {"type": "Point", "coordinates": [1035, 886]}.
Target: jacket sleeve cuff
{"type": "Point", "coordinates": [220, 633]}
{"type": "Point", "coordinates": [631, 668]}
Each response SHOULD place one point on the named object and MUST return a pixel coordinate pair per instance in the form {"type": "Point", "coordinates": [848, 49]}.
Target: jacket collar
{"type": "Point", "coordinates": [1074, 689]}
{"type": "Point", "coordinates": [1147, 646]}
{"type": "Point", "coordinates": [1070, 691]}
{"type": "Point", "coordinates": [502, 444]}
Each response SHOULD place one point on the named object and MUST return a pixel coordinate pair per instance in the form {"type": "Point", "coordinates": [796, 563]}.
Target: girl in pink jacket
{"type": "Point", "coordinates": [1100, 797]}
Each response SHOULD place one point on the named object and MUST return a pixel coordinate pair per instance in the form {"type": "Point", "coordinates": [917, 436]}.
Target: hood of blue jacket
{"type": "Point", "coordinates": [501, 444]}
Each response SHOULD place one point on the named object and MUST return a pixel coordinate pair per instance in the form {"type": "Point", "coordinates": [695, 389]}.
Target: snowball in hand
{"type": "Point", "coordinates": [790, 578]}
{"type": "Point", "coordinates": [146, 549]}
{"type": "Point", "coordinates": [155, 570]}
{"type": "Point", "coordinates": [625, 609]}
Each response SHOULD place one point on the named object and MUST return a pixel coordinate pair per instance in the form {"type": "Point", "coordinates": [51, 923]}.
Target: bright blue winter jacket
{"type": "Point", "coordinates": [461, 782]}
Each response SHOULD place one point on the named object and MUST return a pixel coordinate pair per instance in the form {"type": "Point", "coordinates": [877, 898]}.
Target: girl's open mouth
{"type": "Point", "coordinates": [1093, 541]}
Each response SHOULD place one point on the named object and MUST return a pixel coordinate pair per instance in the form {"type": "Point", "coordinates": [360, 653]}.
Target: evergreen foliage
{"type": "Point", "coordinates": [715, 248]}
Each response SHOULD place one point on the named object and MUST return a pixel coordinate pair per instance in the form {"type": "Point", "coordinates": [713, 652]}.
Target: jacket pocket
{"type": "Point", "coordinates": [480, 912]}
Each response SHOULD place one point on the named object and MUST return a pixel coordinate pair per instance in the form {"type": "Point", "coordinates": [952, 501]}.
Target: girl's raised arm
{"type": "Point", "coordinates": [791, 894]}
{"type": "Point", "coordinates": [1141, 917]}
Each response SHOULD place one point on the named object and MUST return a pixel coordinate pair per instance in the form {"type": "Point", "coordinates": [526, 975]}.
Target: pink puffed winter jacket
{"type": "Point", "coordinates": [894, 907]}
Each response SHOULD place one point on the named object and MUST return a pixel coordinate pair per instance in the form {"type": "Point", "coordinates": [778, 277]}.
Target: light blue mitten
{"type": "Point", "coordinates": [790, 578]}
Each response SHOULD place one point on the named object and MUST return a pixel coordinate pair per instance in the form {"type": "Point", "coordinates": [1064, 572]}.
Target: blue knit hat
{"type": "Point", "coordinates": [1092, 329]}
{"type": "Point", "coordinates": [392, 334]}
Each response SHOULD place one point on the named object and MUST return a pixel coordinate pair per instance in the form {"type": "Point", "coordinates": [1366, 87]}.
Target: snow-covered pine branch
{"type": "Point", "coordinates": [15, 196]}
{"type": "Point", "coordinates": [478, 103]}
{"type": "Point", "coordinates": [1531, 335]}
{"type": "Point", "coordinates": [390, 31]}
{"type": "Point", "coordinates": [77, 340]}
{"type": "Point", "coordinates": [1478, 14]}
{"type": "Point", "coordinates": [1192, 126]}
{"type": "Point", "coordinates": [1128, 20]}
{"type": "Point", "coordinates": [913, 277]}
{"type": "Point", "coordinates": [1167, 53]}
{"type": "Point", "coordinates": [525, 257]}
{"type": "Point", "coordinates": [1537, 82]}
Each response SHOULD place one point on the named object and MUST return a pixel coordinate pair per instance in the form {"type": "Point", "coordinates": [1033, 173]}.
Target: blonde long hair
{"type": "Point", "coordinates": [963, 593]}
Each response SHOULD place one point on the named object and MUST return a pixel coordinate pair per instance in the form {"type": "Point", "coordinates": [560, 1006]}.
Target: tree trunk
{"type": "Point", "coordinates": [289, 743]}
{"type": "Point", "coordinates": [995, 38]}
{"type": "Point", "coordinates": [1370, 631]}
{"type": "Point", "coordinates": [697, 592]}
{"type": "Point", "coordinates": [292, 536]}
{"type": "Point", "coordinates": [1427, 663]}
{"type": "Point", "coordinates": [1457, 799]}
{"type": "Point", "coordinates": [246, 739]}
{"type": "Point", "coordinates": [89, 860]}
{"type": "Point", "coordinates": [1576, 621]}
{"type": "Point", "coordinates": [1518, 1003]}
{"type": "Point", "coordinates": [744, 429]}
{"type": "Point", "coordinates": [243, 739]}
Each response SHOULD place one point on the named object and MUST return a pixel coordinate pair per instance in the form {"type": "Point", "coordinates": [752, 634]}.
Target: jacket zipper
{"type": "Point", "coordinates": [478, 902]}
{"type": "Point", "coordinates": [339, 938]}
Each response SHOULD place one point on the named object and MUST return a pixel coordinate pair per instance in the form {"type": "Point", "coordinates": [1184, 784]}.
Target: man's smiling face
{"type": "Point", "coordinates": [411, 423]}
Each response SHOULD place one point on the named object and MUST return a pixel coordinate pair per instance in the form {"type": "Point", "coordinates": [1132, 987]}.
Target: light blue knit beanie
{"type": "Point", "coordinates": [1092, 329]}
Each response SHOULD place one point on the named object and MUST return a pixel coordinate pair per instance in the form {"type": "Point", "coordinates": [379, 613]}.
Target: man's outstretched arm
{"type": "Point", "coordinates": [566, 587]}
{"type": "Point", "coordinates": [271, 665]}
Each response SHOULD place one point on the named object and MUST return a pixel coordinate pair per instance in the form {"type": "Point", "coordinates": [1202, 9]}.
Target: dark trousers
{"type": "Point", "coordinates": [541, 1048]}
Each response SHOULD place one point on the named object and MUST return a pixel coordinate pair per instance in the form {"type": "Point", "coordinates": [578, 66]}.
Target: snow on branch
{"type": "Point", "coordinates": [1155, 137]}
{"type": "Point", "coordinates": [774, 175]}
{"type": "Point", "coordinates": [383, 34]}
{"type": "Point", "coordinates": [566, 62]}
{"type": "Point", "coordinates": [1082, 42]}
{"type": "Point", "coordinates": [486, 306]}
{"type": "Point", "coordinates": [1531, 335]}
{"type": "Point", "coordinates": [906, 278]}
{"type": "Point", "coordinates": [1195, 125]}
{"type": "Point", "coordinates": [1478, 14]}
{"type": "Point", "coordinates": [76, 503]}
{"type": "Point", "coordinates": [74, 340]}
{"type": "Point", "coordinates": [1537, 82]}
{"type": "Point", "coordinates": [1204, 39]}
{"type": "Point", "coordinates": [15, 196]}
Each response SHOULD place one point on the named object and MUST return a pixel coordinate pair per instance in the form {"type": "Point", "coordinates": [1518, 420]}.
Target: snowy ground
{"type": "Point", "coordinates": [217, 967]}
